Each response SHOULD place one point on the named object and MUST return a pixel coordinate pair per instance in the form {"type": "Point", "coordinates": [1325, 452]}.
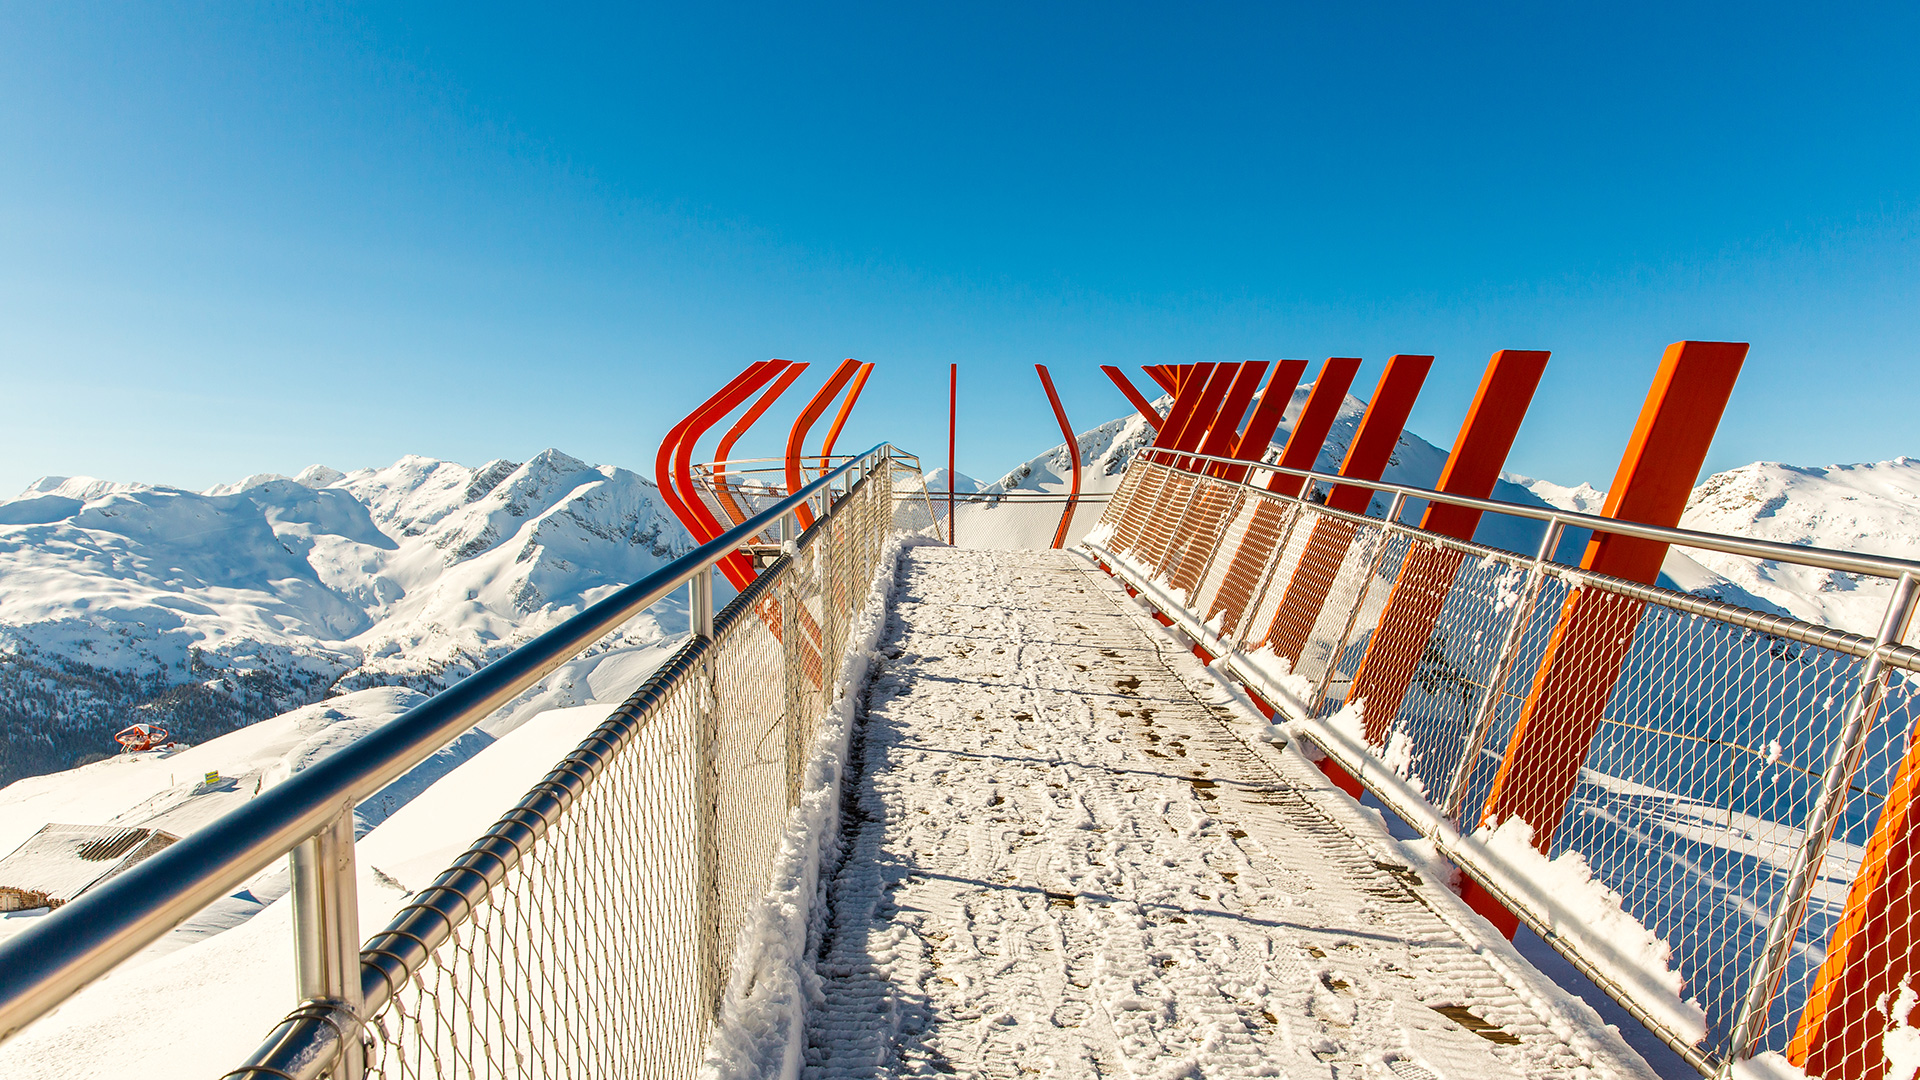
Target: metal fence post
{"type": "Point", "coordinates": [700, 588]}
{"type": "Point", "coordinates": [1377, 557]}
{"type": "Point", "coordinates": [713, 953]}
{"type": "Point", "coordinates": [326, 927]}
{"type": "Point", "coordinates": [793, 665]}
{"type": "Point", "coordinates": [1476, 735]}
{"type": "Point", "coordinates": [1848, 749]}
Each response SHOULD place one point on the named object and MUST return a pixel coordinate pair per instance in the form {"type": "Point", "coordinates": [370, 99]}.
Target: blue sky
{"type": "Point", "coordinates": [240, 238]}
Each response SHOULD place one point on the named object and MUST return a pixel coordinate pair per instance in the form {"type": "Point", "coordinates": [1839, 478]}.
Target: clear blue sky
{"type": "Point", "coordinates": [239, 238]}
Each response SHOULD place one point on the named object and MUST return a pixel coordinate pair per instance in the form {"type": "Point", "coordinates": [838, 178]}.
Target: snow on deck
{"type": "Point", "coordinates": [1070, 854]}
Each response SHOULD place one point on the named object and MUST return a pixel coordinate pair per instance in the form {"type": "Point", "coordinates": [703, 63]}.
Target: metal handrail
{"type": "Point", "coordinates": [83, 940]}
{"type": "Point", "coordinates": [1882, 566]}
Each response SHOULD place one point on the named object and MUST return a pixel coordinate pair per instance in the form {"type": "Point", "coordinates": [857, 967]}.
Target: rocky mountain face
{"type": "Point", "coordinates": [207, 611]}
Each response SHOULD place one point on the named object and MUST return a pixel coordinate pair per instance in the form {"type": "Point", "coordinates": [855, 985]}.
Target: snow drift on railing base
{"type": "Point", "coordinates": [760, 1033]}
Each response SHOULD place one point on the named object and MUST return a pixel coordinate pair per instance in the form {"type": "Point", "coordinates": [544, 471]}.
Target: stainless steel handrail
{"type": "Point", "coordinates": [1848, 562]}
{"type": "Point", "coordinates": [85, 939]}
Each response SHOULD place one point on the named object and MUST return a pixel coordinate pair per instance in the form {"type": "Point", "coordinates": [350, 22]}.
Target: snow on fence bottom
{"type": "Point", "coordinates": [1671, 838]}
{"type": "Point", "coordinates": [592, 931]}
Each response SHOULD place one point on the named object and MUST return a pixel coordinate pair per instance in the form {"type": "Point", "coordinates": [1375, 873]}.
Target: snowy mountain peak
{"type": "Point", "coordinates": [1583, 499]}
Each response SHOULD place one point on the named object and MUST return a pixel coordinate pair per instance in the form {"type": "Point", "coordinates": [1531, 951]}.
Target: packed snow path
{"type": "Point", "coordinates": [1069, 854]}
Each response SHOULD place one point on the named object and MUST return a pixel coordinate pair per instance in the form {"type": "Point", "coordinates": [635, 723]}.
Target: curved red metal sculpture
{"type": "Point", "coordinates": [673, 465]}
{"type": "Point", "coordinates": [739, 428]}
{"type": "Point", "coordinates": [1073, 452]}
{"type": "Point", "coordinates": [797, 437]}
{"type": "Point", "coordinates": [840, 419]}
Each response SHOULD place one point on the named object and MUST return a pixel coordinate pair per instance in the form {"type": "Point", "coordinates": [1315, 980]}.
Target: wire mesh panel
{"type": "Point", "coordinates": [590, 932]}
{"type": "Point", "coordinates": [1653, 761]}
{"type": "Point", "coordinates": [1858, 978]}
{"type": "Point", "coordinates": [539, 980]}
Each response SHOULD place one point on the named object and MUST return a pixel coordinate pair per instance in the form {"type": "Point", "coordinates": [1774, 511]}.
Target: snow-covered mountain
{"type": "Point", "coordinates": [1872, 508]}
{"type": "Point", "coordinates": [206, 611]}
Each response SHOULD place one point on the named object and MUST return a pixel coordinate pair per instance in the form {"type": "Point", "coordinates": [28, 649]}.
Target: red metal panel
{"type": "Point", "coordinates": [840, 421]}
{"type": "Point", "coordinates": [1206, 406]}
{"type": "Point", "coordinates": [1224, 435]}
{"type": "Point", "coordinates": [1267, 414]}
{"type": "Point", "coordinates": [1426, 576]}
{"type": "Point", "coordinates": [796, 438]}
{"type": "Point", "coordinates": [1073, 452]}
{"type": "Point", "coordinates": [953, 413]}
{"type": "Point", "coordinates": [1303, 448]}
{"type": "Point", "coordinates": [1583, 658]}
{"type": "Point", "coordinates": [1367, 457]}
{"type": "Point", "coordinates": [1134, 397]}
{"type": "Point", "coordinates": [1379, 431]}
{"type": "Point", "coordinates": [1316, 421]}
{"type": "Point", "coordinates": [1181, 412]}
{"type": "Point", "coordinates": [739, 428]}
{"type": "Point", "coordinates": [1164, 375]}
{"type": "Point", "coordinates": [1875, 948]}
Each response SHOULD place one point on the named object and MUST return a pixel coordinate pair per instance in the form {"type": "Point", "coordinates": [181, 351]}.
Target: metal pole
{"type": "Point", "coordinates": [1476, 736]}
{"type": "Point", "coordinates": [700, 602]}
{"type": "Point", "coordinates": [1834, 788]}
{"type": "Point", "coordinates": [953, 412]}
{"type": "Point", "coordinates": [326, 928]}
{"type": "Point", "coordinates": [1379, 556]}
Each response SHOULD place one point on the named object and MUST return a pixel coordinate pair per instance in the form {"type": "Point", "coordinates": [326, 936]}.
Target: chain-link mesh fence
{"type": "Point", "coordinates": [1654, 763]}
{"type": "Point", "coordinates": [589, 933]}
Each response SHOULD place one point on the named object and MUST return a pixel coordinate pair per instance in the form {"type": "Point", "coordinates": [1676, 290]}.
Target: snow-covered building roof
{"type": "Point", "coordinates": [60, 862]}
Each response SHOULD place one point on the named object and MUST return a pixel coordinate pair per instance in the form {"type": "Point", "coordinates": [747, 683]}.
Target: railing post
{"type": "Point", "coordinates": [326, 927]}
{"type": "Point", "coordinates": [700, 603]}
{"type": "Point", "coordinates": [1475, 738]}
{"type": "Point", "coordinates": [713, 954]}
{"type": "Point", "coordinates": [1375, 559]}
{"type": "Point", "coordinates": [1848, 749]}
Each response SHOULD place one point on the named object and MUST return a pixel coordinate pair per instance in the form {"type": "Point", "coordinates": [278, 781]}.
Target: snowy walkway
{"type": "Point", "coordinates": [1068, 855]}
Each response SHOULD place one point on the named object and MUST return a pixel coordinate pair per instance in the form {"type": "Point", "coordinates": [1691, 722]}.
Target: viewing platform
{"type": "Point", "coordinates": [1072, 853]}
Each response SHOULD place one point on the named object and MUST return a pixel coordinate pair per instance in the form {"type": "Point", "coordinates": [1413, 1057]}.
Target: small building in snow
{"type": "Point", "coordinates": [60, 862]}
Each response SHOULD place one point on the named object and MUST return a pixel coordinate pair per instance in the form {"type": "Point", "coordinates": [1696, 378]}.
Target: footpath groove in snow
{"type": "Point", "coordinates": [1063, 859]}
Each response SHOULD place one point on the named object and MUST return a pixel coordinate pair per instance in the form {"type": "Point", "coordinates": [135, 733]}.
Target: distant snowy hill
{"type": "Point", "coordinates": [208, 611]}
{"type": "Point", "coordinates": [1872, 508]}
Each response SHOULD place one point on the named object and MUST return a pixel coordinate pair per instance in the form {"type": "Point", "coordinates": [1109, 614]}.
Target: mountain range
{"type": "Point", "coordinates": [206, 611]}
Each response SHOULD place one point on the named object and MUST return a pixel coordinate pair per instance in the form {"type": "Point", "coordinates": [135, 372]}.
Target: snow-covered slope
{"type": "Point", "coordinates": [215, 997]}
{"type": "Point", "coordinates": [1871, 508]}
{"type": "Point", "coordinates": [207, 611]}
{"type": "Point", "coordinates": [1584, 499]}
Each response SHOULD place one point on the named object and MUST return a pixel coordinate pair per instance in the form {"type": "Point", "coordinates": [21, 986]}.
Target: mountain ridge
{"type": "Point", "coordinates": [205, 611]}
